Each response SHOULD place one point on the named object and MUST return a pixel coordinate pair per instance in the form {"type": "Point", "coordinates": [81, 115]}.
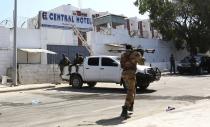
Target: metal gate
{"type": "Point", "coordinates": [69, 51]}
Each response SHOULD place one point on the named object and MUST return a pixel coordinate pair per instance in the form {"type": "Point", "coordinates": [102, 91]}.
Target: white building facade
{"type": "Point", "coordinates": [6, 51]}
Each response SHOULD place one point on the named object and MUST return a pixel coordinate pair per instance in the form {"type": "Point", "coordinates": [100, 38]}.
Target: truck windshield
{"type": "Point", "coordinates": [117, 59]}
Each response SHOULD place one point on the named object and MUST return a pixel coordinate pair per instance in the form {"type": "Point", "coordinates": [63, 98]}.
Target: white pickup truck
{"type": "Point", "coordinates": [107, 69]}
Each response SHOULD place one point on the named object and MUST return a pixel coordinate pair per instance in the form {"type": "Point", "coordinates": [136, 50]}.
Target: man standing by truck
{"type": "Point", "coordinates": [77, 61]}
{"type": "Point", "coordinates": [128, 61]}
{"type": "Point", "coordinates": [63, 62]}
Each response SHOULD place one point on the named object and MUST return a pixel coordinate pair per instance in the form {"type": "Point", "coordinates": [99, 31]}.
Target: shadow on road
{"type": "Point", "coordinates": [108, 122]}
{"type": "Point", "coordinates": [185, 75]}
{"type": "Point", "coordinates": [100, 90]}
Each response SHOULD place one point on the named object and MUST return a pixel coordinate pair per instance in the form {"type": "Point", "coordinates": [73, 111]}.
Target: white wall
{"type": "Point", "coordinates": [57, 37]}
{"type": "Point", "coordinates": [28, 38]}
{"type": "Point", "coordinates": [5, 38]}
{"type": "Point", "coordinates": [6, 50]}
{"type": "Point", "coordinates": [37, 73]}
{"type": "Point", "coordinates": [40, 38]}
{"type": "Point", "coordinates": [5, 61]}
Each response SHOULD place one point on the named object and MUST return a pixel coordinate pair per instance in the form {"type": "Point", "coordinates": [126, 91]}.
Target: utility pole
{"type": "Point", "coordinates": [14, 77]}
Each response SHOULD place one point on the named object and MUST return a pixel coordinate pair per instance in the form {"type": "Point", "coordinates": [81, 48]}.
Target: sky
{"type": "Point", "coordinates": [30, 8]}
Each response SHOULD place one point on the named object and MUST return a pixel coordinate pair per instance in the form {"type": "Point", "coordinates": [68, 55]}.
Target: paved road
{"type": "Point", "coordinates": [66, 107]}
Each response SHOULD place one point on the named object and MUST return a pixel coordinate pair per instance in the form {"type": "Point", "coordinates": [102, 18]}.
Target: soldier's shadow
{"type": "Point", "coordinates": [101, 90]}
{"type": "Point", "coordinates": [112, 121]}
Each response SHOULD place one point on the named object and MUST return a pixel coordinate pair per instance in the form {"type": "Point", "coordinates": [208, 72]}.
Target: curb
{"type": "Point", "coordinates": [13, 89]}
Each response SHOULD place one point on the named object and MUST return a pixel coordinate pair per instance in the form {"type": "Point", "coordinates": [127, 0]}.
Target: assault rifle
{"type": "Point", "coordinates": [138, 50]}
{"type": "Point", "coordinates": [129, 47]}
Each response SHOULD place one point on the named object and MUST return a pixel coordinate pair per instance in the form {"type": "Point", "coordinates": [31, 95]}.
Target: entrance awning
{"type": "Point", "coordinates": [38, 51]}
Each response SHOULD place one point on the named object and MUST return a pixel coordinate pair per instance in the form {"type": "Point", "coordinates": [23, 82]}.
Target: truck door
{"type": "Point", "coordinates": [110, 70]}
{"type": "Point", "coordinates": [91, 69]}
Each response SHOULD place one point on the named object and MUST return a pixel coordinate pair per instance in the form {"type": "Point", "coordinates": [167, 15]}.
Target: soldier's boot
{"type": "Point", "coordinates": [124, 113]}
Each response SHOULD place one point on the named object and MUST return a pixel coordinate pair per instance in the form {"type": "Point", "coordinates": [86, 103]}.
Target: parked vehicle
{"type": "Point", "coordinates": [107, 69]}
{"type": "Point", "coordinates": [198, 64]}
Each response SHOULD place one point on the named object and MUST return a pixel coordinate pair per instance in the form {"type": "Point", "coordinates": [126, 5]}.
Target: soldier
{"type": "Point", "coordinates": [128, 61]}
{"type": "Point", "coordinates": [172, 62]}
{"type": "Point", "coordinates": [77, 60]}
{"type": "Point", "coordinates": [63, 62]}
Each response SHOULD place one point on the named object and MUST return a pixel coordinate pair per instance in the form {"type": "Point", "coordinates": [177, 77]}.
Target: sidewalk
{"type": "Point", "coordinates": [8, 88]}
{"type": "Point", "coordinates": [196, 115]}
{"type": "Point", "coordinates": [167, 73]}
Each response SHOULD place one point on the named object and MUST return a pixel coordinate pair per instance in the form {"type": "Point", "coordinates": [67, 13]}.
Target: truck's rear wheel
{"type": "Point", "coordinates": [76, 81]}
{"type": "Point", "coordinates": [91, 84]}
{"type": "Point", "coordinates": [143, 85]}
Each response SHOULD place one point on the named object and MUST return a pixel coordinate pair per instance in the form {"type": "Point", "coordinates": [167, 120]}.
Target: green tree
{"type": "Point", "coordinates": [186, 22]}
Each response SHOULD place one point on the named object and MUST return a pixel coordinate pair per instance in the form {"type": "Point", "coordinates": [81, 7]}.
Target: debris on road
{"type": "Point", "coordinates": [35, 102]}
{"type": "Point", "coordinates": [169, 108]}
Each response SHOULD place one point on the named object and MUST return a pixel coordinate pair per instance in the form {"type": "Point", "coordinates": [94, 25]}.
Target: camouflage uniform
{"type": "Point", "coordinates": [128, 63]}
{"type": "Point", "coordinates": [64, 62]}
{"type": "Point", "coordinates": [77, 61]}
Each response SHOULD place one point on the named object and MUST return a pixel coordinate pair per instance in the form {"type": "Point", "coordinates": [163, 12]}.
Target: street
{"type": "Point", "coordinates": [64, 106]}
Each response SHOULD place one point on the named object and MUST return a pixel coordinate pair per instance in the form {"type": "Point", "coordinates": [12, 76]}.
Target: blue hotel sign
{"type": "Point", "coordinates": [55, 20]}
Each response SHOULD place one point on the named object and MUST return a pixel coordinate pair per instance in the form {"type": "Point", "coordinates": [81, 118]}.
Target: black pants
{"type": "Point", "coordinates": [193, 68]}
{"type": "Point", "coordinates": [61, 69]}
{"type": "Point", "coordinates": [172, 68]}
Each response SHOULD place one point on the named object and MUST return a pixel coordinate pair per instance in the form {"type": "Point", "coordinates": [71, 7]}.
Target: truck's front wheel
{"type": "Point", "coordinates": [76, 81]}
